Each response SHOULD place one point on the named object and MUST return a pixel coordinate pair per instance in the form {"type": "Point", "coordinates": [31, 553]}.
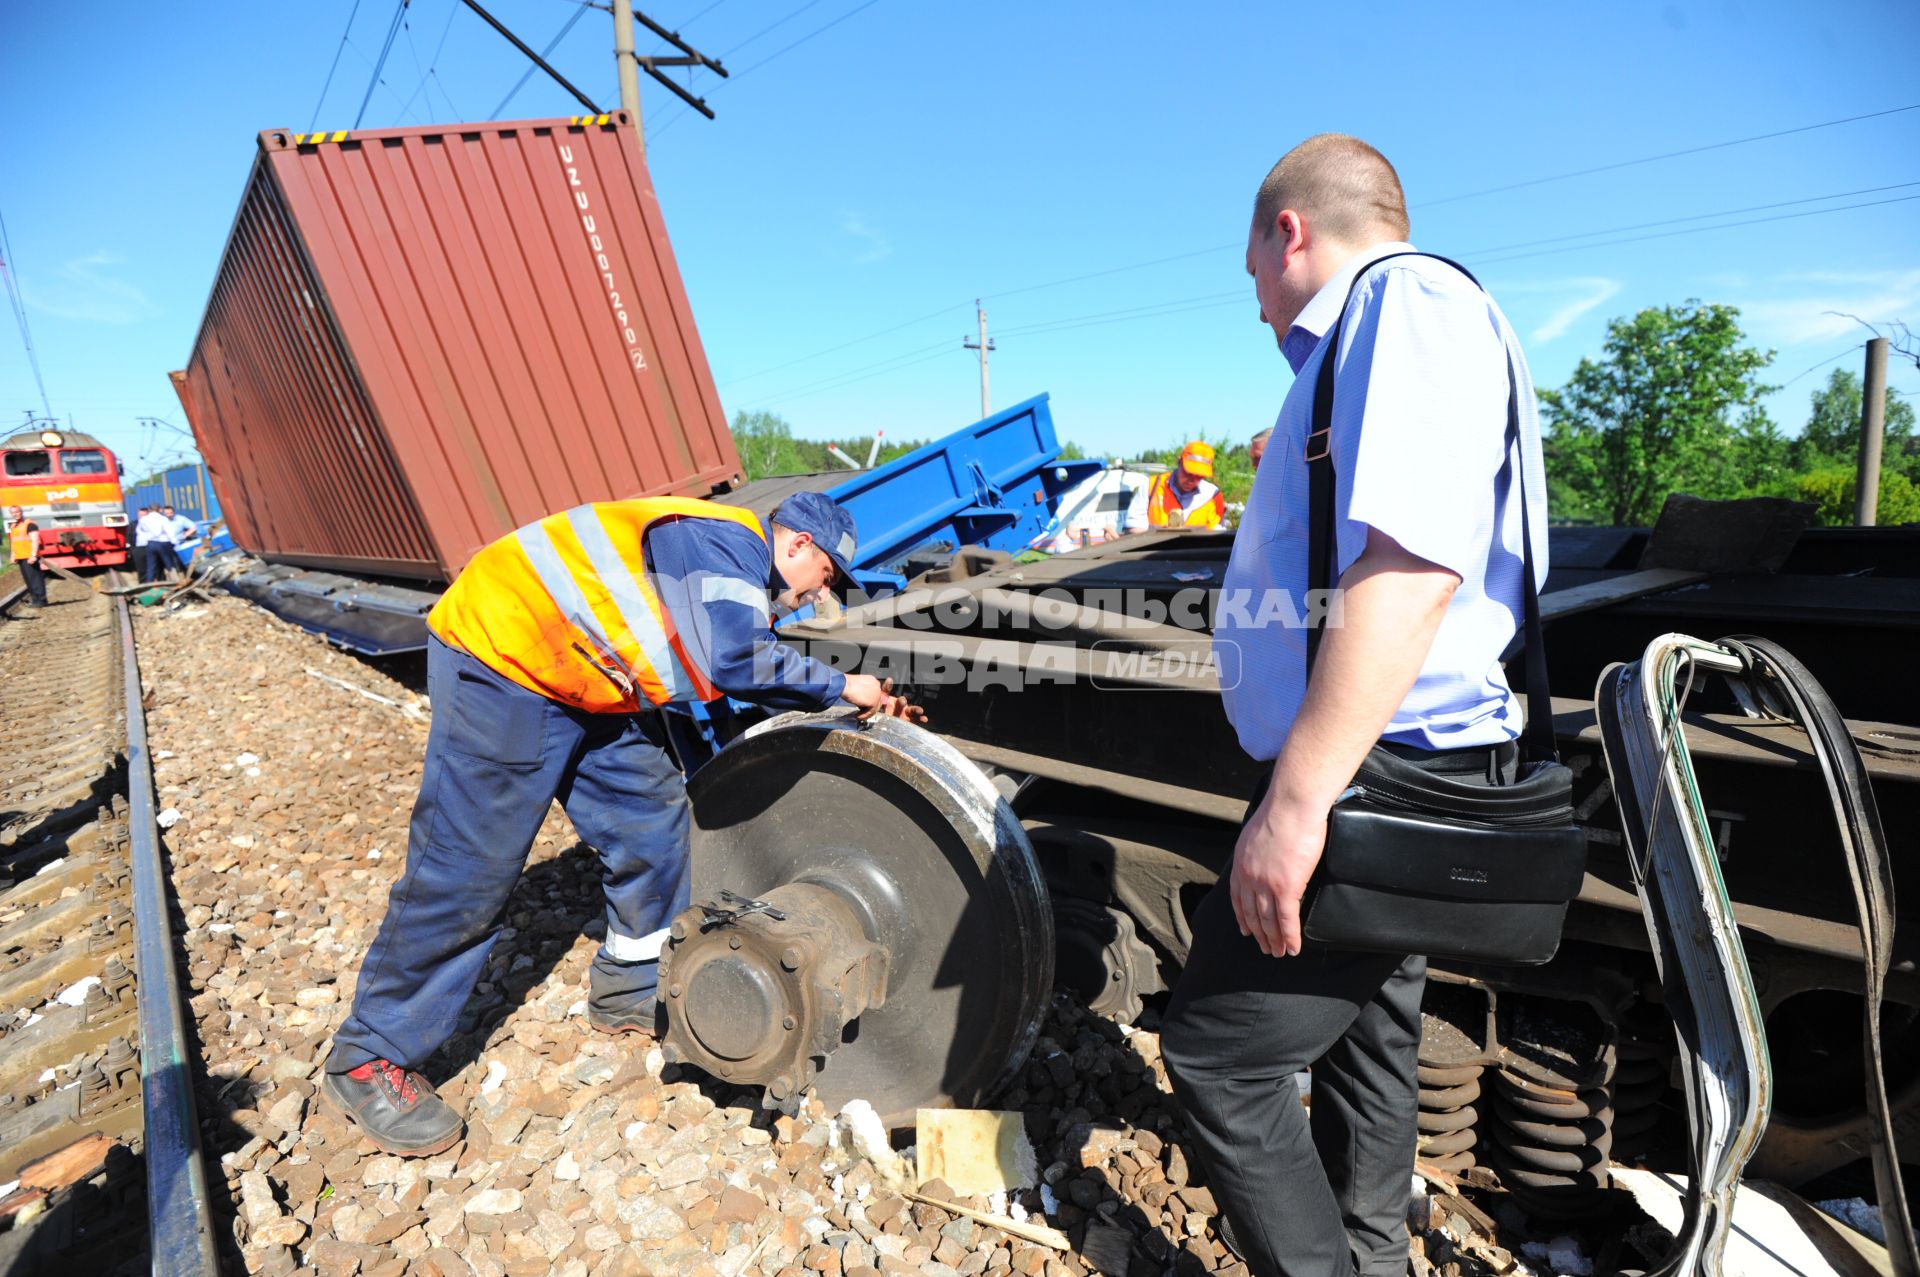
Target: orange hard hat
{"type": "Point", "coordinates": [1197, 459]}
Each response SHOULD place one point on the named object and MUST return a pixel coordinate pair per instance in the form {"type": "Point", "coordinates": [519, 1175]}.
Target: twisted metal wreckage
{"type": "Point", "coordinates": [1726, 1073]}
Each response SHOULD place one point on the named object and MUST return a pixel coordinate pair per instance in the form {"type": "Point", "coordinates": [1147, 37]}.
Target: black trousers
{"type": "Point", "coordinates": [34, 577]}
{"type": "Point", "coordinates": [1319, 1197]}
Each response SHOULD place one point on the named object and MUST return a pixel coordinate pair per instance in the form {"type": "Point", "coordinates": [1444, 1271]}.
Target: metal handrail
{"type": "Point", "coordinates": [179, 1209]}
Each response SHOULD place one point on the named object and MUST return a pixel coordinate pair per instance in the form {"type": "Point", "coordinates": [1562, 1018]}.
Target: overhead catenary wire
{"type": "Point", "coordinates": [1538, 181]}
{"type": "Point", "coordinates": [673, 119]}
{"type": "Point", "coordinates": [819, 354]}
{"type": "Point", "coordinates": [453, 7]}
{"type": "Point", "coordinates": [1813, 368]}
{"type": "Point", "coordinates": [526, 75]}
{"type": "Point", "coordinates": [878, 364]}
{"type": "Point", "coordinates": [1700, 230]}
{"type": "Point", "coordinates": [1242, 296]}
{"type": "Point", "coordinates": [944, 349]}
{"type": "Point", "coordinates": [9, 272]}
{"type": "Point", "coordinates": [335, 66]}
{"type": "Point", "coordinates": [379, 64]}
{"type": "Point", "coordinates": [1665, 155]}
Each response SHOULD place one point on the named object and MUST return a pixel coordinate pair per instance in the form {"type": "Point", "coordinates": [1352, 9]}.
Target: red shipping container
{"type": "Point", "coordinates": [420, 339]}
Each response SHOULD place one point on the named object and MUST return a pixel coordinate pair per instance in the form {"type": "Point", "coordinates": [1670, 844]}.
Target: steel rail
{"type": "Point", "coordinates": [12, 597]}
{"type": "Point", "coordinates": [179, 1209]}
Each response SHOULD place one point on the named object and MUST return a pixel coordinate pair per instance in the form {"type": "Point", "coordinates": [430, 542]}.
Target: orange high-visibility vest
{"type": "Point", "coordinates": [20, 538]}
{"type": "Point", "coordinates": [1164, 509]}
{"type": "Point", "coordinates": [564, 608]}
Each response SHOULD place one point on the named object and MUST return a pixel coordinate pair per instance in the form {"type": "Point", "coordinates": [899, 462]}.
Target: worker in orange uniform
{"type": "Point", "coordinates": [23, 544]}
{"type": "Point", "coordinates": [1186, 496]}
{"type": "Point", "coordinates": [548, 663]}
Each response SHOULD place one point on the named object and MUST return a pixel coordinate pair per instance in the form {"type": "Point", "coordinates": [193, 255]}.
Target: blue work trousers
{"type": "Point", "coordinates": [497, 757]}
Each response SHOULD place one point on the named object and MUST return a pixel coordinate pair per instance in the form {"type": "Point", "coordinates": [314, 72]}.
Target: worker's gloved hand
{"type": "Point", "coordinates": [876, 699]}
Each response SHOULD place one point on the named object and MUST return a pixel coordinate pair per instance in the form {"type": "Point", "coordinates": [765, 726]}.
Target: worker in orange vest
{"type": "Point", "coordinates": [1186, 496]}
{"type": "Point", "coordinates": [23, 542]}
{"type": "Point", "coordinates": [548, 662]}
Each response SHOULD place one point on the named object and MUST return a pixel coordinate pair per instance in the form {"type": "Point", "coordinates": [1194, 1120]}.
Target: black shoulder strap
{"type": "Point", "coordinates": [1322, 541]}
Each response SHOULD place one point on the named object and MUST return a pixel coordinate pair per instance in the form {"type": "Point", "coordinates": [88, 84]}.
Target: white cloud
{"type": "Point", "coordinates": [877, 246]}
{"type": "Point", "coordinates": [1583, 293]}
{"type": "Point", "coordinates": [1821, 302]}
{"type": "Point", "coordinates": [84, 288]}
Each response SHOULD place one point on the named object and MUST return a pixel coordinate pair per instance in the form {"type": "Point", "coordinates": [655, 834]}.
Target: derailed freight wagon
{"type": "Point", "coordinates": [1083, 685]}
{"type": "Point", "coordinates": [420, 339]}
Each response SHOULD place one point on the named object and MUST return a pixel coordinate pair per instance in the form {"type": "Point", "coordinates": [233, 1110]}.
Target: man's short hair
{"type": "Point", "coordinates": [1262, 437]}
{"type": "Point", "coordinates": [1347, 190]}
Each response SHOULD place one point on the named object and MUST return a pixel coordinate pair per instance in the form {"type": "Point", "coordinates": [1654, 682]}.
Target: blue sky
{"type": "Point", "coordinates": [877, 164]}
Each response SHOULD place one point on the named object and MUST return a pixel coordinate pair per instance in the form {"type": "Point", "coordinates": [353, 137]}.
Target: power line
{"type": "Point", "coordinates": [1238, 295]}
{"type": "Point", "coordinates": [765, 30]}
{"type": "Point", "coordinates": [1700, 217]}
{"type": "Point", "coordinates": [687, 22]}
{"type": "Point", "coordinates": [880, 364]}
{"type": "Point", "coordinates": [1664, 155]}
{"type": "Point", "coordinates": [935, 314]}
{"type": "Point", "coordinates": [1696, 230]}
{"type": "Point", "coordinates": [393, 29]}
{"type": "Point", "coordinates": [1822, 364]}
{"type": "Point", "coordinates": [8, 267]}
{"type": "Point", "coordinates": [675, 118]}
{"type": "Point", "coordinates": [341, 48]}
{"type": "Point", "coordinates": [803, 39]}
{"type": "Point", "coordinates": [453, 7]}
{"type": "Point", "coordinates": [945, 348]}
{"type": "Point", "coordinates": [526, 75]}
{"type": "Point", "coordinates": [1221, 248]}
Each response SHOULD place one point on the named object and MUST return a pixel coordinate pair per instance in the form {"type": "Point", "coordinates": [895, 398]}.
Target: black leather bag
{"type": "Point", "coordinates": [1418, 861]}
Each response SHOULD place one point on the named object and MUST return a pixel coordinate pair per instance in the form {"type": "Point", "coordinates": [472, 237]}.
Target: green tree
{"type": "Point", "coordinates": [766, 445]}
{"type": "Point", "coordinates": [1832, 434]}
{"type": "Point", "coordinates": [1831, 489]}
{"type": "Point", "coordinates": [1673, 405]}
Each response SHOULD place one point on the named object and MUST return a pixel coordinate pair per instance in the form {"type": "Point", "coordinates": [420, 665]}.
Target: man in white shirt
{"type": "Point", "coordinates": [1427, 536]}
{"type": "Point", "coordinates": [186, 537]}
{"type": "Point", "coordinates": [156, 535]}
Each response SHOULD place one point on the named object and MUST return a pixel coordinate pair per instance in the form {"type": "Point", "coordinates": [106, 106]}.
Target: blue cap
{"type": "Point", "coordinates": [821, 517]}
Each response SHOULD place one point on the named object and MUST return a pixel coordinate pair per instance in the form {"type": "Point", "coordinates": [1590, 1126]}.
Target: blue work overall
{"type": "Point", "coordinates": [497, 756]}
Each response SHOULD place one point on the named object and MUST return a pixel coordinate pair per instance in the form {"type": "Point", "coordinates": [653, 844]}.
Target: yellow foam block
{"type": "Point", "coordinates": [975, 1151]}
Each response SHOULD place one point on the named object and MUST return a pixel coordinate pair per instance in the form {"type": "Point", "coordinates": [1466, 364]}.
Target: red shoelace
{"type": "Point", "coordinates": [398, 1080]}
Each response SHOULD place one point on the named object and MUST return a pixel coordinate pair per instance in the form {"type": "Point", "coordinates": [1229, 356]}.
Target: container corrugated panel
{"type": "Point", "coordinates": [420, 339]}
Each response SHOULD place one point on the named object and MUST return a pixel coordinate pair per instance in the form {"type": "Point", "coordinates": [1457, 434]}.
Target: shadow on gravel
{"type": "Point", "coordinates": [24, 847]}
{"type": "Point", "coordinates": [555, 903]}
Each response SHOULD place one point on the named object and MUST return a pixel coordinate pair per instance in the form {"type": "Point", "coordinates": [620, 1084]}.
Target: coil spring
{"type": "Point", "coordinates": [1448, 1115]}
{"type": "Point", "coordinates": [1640, 1084]}
{"type": "Point", "coordinates": [1551, 1145]}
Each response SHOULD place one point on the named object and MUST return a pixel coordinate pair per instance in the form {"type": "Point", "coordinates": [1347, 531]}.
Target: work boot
{"type": "Point", "coordinates": [395, 1108]}
{"type": "Point", "coordinates": [642, 1016]}
{"type": "Point", "coordinates": [622, 997]}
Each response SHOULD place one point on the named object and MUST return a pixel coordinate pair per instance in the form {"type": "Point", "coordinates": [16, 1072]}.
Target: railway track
{"type": "Point", "coordinates": [99, 1149]}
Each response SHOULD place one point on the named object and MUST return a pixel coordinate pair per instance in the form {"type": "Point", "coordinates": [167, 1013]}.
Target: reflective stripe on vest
{"type": "Point", "coordinates": [564, 607]}
{"type": "Point", "coordinates": [1165, 511]}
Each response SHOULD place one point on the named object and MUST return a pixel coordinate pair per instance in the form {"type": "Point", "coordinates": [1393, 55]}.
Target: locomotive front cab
{"type": "Point", "coordinates": [69, 484]}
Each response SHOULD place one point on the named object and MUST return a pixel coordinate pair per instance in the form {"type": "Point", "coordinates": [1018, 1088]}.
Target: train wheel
{"type": "Point", "coordinates": [869, 921]}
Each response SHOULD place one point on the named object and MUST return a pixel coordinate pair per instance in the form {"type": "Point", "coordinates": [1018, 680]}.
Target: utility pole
{"type": "Point", "coordinates": [1873, 430]}
{"type": "Point", "coordinates": [629, 69]}
{"type": "Point", "coordinates": [984, 346]}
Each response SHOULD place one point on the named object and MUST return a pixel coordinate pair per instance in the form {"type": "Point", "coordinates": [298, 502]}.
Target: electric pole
{"type": "Point", "coordinates": [984, 346]}
{"type": "Point", "coordinates": [1873, 422]}
{"type": "Point", "coordinates": [629, 69]}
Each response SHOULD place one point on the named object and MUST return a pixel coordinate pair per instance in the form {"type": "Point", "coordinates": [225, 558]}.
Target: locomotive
{"type": "Point", "coordinates": [69, 484]}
